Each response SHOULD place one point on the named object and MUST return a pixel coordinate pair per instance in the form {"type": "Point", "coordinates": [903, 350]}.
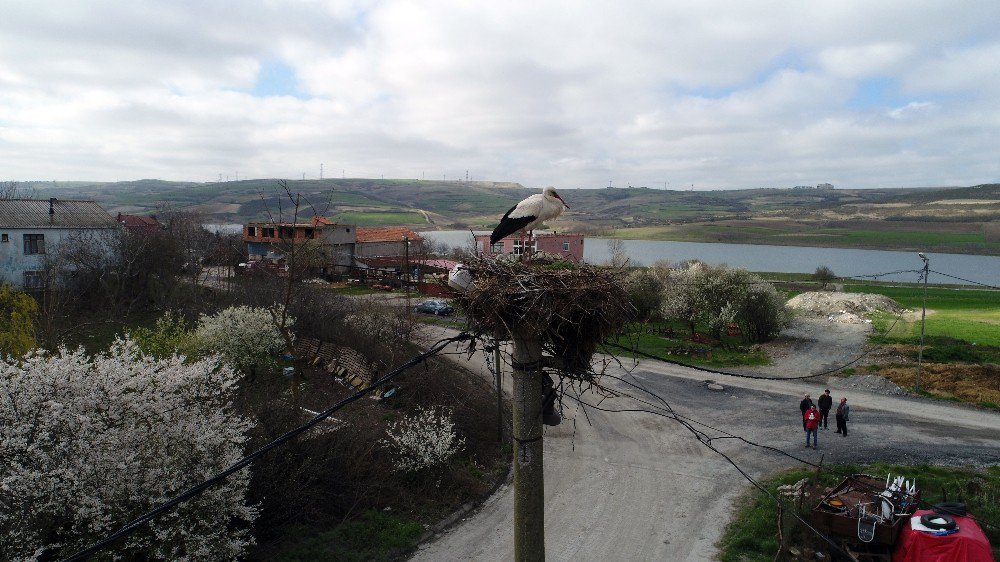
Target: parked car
{"type": "Point", "coordinates": [434, 306]}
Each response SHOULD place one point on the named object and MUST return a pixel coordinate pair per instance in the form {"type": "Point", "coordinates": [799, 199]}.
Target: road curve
{"type": "Point", "coordinates": [634, 486]}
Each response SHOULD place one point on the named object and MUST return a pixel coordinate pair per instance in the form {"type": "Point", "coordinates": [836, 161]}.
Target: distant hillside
{"type": "Point", "coordinates": [835, 217]}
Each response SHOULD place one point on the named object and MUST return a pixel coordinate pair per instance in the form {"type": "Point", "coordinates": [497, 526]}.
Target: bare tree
{"type": "Point", "coordinates": [10, 190]}
{"type": "Point", "coordinates": [619, 257]}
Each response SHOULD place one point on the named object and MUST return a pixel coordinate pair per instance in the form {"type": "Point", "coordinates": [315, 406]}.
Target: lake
{"type": "Point", "coordinates": [783, 259]}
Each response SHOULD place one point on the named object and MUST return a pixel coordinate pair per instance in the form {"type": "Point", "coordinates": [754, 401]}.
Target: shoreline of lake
{"type": "Point", "coordinates": [846, 262]}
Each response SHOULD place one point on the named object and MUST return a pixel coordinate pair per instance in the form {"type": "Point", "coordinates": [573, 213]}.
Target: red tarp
{"type": "Point", "coordinates": [969, 544]}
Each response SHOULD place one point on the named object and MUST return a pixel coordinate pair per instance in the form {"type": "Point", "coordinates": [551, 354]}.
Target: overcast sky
{"type": "Point", "coordinates": [573, 94]}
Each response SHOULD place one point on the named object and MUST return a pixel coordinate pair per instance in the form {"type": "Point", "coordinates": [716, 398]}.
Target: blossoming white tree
{"type": "Point", "coordinates": [86, 444]}
{"type": "Point", "coordinates": [422, 440]}
{"type": "Point", "coordinates": [244, 336]}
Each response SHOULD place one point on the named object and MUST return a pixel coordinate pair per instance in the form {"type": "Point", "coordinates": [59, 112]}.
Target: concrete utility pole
{"type": "Point", "coordinates": [406, 278]}
{"type": "Point", "coordinates": [499, 377]}
{"type": "Point", "coordinates": [923, 315]}
{"type": "Point", "coordinates": [529, 483]}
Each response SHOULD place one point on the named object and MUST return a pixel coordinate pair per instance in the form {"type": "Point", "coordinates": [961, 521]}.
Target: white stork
{"type": "Point", "coordinates": [529, 214]}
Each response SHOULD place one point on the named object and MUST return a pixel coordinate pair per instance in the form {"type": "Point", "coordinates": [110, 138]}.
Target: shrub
{"type": "Point", "coordinates": [242, 335]}
{"type": "Point", "coordinates": [824, 275]}
{"type": "Point", "coordinates": [168, 337]}
{"type": "Point", "coordinates": [109, 437]}
{"type": "Point", "coordinates": [17, 329]}
{"type": "Point", "coordinates": [423, 440]}
{"type": "Point", "coordinates": [645, 293]}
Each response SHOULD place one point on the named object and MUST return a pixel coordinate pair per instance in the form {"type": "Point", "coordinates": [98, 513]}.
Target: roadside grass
{"type": "Point", "coordinates": [975, 384]}
{"type": "Point", "coordinates": [646, 339]}
{"type": "Point", "coordinates": [442, 321]}
{"type": "Point", "coordinates": [375, 536]}
{"type": "Point", "coordinates": [751, 535]}
{"type": "Point", "coordinates": [354, 290]}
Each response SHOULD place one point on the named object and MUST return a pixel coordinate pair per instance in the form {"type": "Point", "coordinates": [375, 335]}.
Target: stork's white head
{"type": "Point", "coordinates": [550, 193]}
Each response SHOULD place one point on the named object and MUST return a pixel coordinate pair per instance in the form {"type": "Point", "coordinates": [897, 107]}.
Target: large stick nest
{"type": "Point", "coordinates": [572, 307]}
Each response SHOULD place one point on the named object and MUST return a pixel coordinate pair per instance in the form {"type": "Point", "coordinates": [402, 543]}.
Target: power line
{"type": "Point", "coordinates": [706, 440]}
{"type": "Point", "coordinates": [966, 280]}
{"type": "Point", "coordinates": [638, 385]}
{"type": "Point", "coordinates": [193, 491]}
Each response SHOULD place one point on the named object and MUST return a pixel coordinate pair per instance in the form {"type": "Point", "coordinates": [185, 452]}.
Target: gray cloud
{"type": "Point", "coordinates": [569, 94]}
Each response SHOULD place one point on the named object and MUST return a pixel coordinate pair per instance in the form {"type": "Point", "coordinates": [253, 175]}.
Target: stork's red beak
{"type": "Point", "coordinates": [563, 202]}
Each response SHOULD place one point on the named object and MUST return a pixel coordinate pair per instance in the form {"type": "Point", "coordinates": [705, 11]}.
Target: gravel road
{"type": "Point", "coordinates": [634, 486]}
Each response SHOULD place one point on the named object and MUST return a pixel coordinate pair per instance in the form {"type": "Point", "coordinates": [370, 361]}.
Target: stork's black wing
{"type": "Point", "coordinates": [509, 226]}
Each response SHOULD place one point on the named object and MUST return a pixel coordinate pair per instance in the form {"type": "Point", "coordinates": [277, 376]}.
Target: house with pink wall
{"type": "Point", "coordinates": [569, 246]}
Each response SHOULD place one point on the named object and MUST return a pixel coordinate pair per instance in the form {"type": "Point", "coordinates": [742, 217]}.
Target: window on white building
{"type": "Point", "coordinates": [34, 280]}
{"type": "Point", "coordinates": [34, 244]}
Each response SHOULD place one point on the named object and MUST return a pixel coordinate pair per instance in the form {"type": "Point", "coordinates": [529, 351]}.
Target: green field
{"type": "Point", "coordinates": [379, 218]}
{"type": "Point", "coordinates": [804, 234]}
{"type": "Point", "coordinates": [972, 316]}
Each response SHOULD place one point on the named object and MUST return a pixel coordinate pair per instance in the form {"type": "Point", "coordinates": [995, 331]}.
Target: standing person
{"type": "Point", "coordinates": [843, 414]}
{"type": "Point", "coordinates": [825, 403]}
{"type": "Point", "coordinates": [803, 408]}
{"type": "Point", "coordinates": [811, 419]}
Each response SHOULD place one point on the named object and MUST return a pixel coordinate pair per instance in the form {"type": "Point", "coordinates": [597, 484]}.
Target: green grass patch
{"type": "Point", "coordinates": [375, 536]}
{"type": "Point", "coordinates": [97, 335]}
{"type": "Point", "coordinates": [646, 339]}
{"type": "Point", "coordinates": [971, 316]}
{"type": "Point", "coordinates": [443, 321]}
{"type": "Point", "coordinates": [355, 290]}
{"type": "Point", "coordinates": [751, 536]}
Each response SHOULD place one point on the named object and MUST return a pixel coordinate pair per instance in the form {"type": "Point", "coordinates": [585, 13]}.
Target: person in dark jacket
{"type": "Point", "coordinates": [803, 406]}
{"type": "Point", "coordinates": [825, 403]}
{"type": "Point", "coordinates": [843, 414]}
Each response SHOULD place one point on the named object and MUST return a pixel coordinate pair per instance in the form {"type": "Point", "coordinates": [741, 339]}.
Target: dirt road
{"type": "Point", "coordinates": [633, 486]}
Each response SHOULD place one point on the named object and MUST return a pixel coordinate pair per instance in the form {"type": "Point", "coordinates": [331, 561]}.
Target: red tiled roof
{"type": "Point", "coordinates": [438, 263]}
{"type": "Point", "coordinates": [133, 221]}
{"type": "Point", "coordinates": [385, 234]}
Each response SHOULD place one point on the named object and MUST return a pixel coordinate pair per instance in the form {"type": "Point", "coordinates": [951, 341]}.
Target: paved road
{"type": "Point", "coordinates": [628, 486]}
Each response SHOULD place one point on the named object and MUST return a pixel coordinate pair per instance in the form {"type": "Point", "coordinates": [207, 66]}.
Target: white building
{"type": "Point", "coordinates": [31, 228]}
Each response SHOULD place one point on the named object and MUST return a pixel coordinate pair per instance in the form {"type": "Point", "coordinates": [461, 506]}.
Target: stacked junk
{"type": "Point", "coordinates": [877, 520]}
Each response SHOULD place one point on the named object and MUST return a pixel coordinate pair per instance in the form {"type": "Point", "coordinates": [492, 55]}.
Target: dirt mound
{"type": "Point", "coordinates": [849, 308]}
{"type": "Point", "coordinates": [875, 384]}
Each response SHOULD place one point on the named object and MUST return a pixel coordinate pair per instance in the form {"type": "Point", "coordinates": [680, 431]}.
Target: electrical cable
{"type": "Point", "coordinates": [965, 280]}
{"type": "Point", "coordinates": [922, 503]}
{"type": "Point", "coordinates": [193, 491]}
{"type": "Point", "coordinates": [707, 442]}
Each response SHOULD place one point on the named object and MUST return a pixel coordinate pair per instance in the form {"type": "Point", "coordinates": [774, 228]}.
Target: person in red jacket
{"type": "Point", "coordinates": [811, 419]}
